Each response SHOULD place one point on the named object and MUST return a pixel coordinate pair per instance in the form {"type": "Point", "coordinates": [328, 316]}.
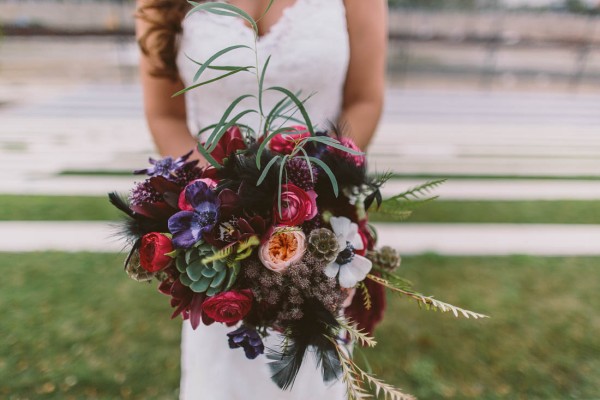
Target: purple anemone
{"type": "Point", "coordinates": [247, 338]}
{"type": "Point", "coordinates": [164, 167]}
{"type": "Point", "coordinates": [188, 227]}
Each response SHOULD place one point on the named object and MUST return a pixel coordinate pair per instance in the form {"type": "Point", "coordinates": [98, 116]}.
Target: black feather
{"type": "Point", "coordinates": [135, 225]}
{"type": "Point", "coordinates": [241, 175]}
{"type": "Point", "coordinates": [311, 332]}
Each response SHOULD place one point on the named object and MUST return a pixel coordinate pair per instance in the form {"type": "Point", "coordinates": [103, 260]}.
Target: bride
{"type": "Point", "coordinates": [333, 49]}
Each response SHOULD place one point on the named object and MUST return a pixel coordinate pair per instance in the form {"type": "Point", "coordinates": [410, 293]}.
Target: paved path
{"type": "Point", "coordinates": [447, 239]}
{"type": "Point", "coordinates": [101, 127]}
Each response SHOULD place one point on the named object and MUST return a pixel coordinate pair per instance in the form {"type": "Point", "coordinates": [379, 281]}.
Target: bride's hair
{"type": "Point", "coordinates": [159, 41]}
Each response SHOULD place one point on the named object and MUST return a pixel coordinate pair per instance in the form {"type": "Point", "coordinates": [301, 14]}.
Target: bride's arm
{"type": "Point", "coordinates": [365, 81]}
{"type": "Point", "coordinates": [166, 116]}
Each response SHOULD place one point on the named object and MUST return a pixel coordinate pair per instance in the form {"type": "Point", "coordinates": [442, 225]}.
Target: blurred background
{"type": "Point", "coordinates": [500, 97]}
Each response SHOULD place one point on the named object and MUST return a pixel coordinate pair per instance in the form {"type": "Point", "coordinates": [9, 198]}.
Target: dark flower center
{"type": "Point", "coordinates": [207, 218]}
{"type": "Point", "coordinates": [346, 255]}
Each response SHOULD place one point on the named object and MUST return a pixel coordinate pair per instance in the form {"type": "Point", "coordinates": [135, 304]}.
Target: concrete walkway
{"type": "Point", "coordinates": [446, 239]}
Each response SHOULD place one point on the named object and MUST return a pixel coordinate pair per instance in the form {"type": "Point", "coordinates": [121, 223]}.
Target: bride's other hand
{"type": "Point", "coordinates": [165, 115]}
{"type": "Point", "coordinates": [365, 80]}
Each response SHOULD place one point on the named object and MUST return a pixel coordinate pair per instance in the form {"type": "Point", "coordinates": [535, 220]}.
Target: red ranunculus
{"type": "Point", "coordinates": [297, 206]}
{"type": "Point", "coordinates": [357, 159]}
{"type": "Point", "coordinates": [284, 143]}
{"type": "Point", "coordinates": [228, 307]}
{"type": "Point", "coordinates": [230, 142]}
{"type": "Point", "coordinates": [152, 252]}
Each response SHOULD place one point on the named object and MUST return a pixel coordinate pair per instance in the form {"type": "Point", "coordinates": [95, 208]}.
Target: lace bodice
{"type": "Point", "coordinates": [309, 52]}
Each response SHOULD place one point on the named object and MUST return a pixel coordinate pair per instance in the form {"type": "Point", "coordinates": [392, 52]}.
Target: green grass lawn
{"type": "Point", "coordinates": [75, 208]}
{"type": "Point", "coordinates": [75, 327]}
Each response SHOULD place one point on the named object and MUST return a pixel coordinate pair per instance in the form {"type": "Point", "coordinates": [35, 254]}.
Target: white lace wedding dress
{"type": "Point", "coordinates": [309, 52]}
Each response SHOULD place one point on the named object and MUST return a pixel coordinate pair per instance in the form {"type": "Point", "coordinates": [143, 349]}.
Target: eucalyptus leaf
{"type": "Point", "coordinates": [224, 129]}
{"type": "Point", "coordinates": [218, 54]}
{"type": "Point", "coordinates": [329, 173]}
{"type": "Point", "coordinates": [299, 104]}
{"type": "Point", "coordinates": [217, 127]}
{"type": "Point", "coordinates": [281, 169]}
{"type": "Point", "coordinates": [225, 9]}
{"type": "Point", "coordinates": [265, 142]}
{"type": "Point", "coordinates": [334, 143]}
{"type": "Point", "coordinates": [260, 84]}
{"type": "Point", "coordinates": [218, 78]}
{"type": "Point", "coordinates": [266, 170]}
{"type": "Point", "coordinates": [208, 157]}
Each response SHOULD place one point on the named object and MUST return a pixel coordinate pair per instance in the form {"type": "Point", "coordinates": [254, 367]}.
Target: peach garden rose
{"type": "Point", "coordinates": [283, 248]}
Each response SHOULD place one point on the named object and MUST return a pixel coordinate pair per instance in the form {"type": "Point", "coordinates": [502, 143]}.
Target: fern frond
{"type": "Point", "coordinates": [389, 392]}
{"type": "Point", "coordinates": [245, 248]}
{"type": "Point", "coordinates": [428, 301]}
{"type": "Point", "coordinates": [399, 215]}
{"type": "Point", "coordinates": [350, 376]}
{"type": "Point", "coordinates": [419, 191]}
{"type": "Point", "coordinates": [395, 280]}
{"type": "Point", "coordinates": [357, 334]}
{"type": "Point", "coordinates": [234, 253]}
{"type": "Point", "coordinates": [222, 254]}
{"type": "Point", "coordinates": [356, 379]}
{"type": "Point", "coordinates": [381, 178]}
{"type": "Point", "coordinates": [366, 295]}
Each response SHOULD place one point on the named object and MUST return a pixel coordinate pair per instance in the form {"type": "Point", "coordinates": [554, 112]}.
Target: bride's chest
{"type": "Point", "coordinates": [308, 42]}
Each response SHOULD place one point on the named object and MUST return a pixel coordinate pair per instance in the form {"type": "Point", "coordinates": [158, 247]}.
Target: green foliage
{"type": "Point", "coordinates": [266, 119]}
{"type": "Point", "coordinates": [402, 205]}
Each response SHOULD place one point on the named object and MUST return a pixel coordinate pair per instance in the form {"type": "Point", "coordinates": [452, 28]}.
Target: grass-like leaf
{"type": "Point", "coordinates": [207, 63]}
{"type": "Point", "coordinates": [329, 141]}
{"type": "Point", "coordinates": [281, 171]}
{"type": "Point", "coordinates": [266, 170]}
{"type": "Point", "coordinates": [428, 301]}
{"type": "Point", "coordinates": [288, 115]}
{"type": "Point", "coordinates": [218, 78]}
{"type": "Point", "coordinates": [266, 10]}
{"type": "Point", "coordinates": [299, 104]}
{"type": "Point", "coordinates": [265, 142]}
{"type": "Point", "coordinates": [208, 157]}
{"type": "Point", "coordinates": [223, 129]}
{"type": "Point", "coordinates": [224, 9]}
{"type": "Point", "coordinates": [211, 142]}
{"type": "Point", "coordinates": [329, 173]}
{"type": "Point", "coordinates": [261, 83]}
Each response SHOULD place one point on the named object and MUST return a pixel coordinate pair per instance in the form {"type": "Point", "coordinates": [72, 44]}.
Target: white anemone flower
{"type": "Point", "coordinates": [351, 267]}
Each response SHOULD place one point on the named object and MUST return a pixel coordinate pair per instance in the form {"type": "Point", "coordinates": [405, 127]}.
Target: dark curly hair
{"type": "Point", "coordinates": [159, 41]}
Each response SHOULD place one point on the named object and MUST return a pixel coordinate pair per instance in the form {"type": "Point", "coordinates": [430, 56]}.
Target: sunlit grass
{"type": "Point", "coordinates": [75, 327]}
{"type": "Point", "coordinates": [75, 208]}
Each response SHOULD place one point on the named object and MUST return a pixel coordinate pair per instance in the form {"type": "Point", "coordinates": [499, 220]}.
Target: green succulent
{"type": "Point", "coordinates": [203, 273]}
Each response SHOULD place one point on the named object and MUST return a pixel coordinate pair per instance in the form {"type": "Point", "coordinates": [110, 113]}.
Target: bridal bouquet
{"type": "Point", "coordinates": [273, 236]}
